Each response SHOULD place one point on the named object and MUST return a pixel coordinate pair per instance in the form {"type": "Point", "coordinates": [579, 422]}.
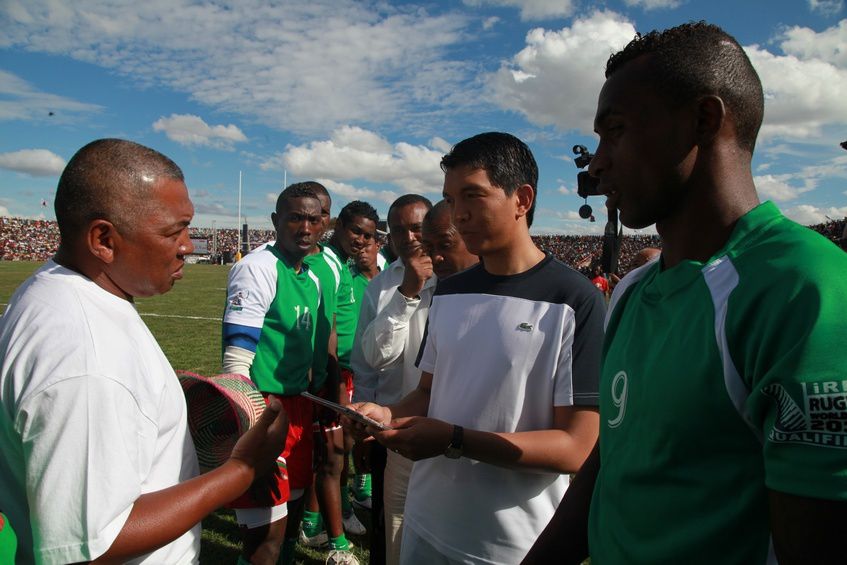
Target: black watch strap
{"type": "Point", "coordinates": [456, 447]}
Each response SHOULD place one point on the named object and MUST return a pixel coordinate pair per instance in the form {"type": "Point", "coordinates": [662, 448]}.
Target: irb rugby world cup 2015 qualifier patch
{"type": "Point", "coordinates": [815, 414]}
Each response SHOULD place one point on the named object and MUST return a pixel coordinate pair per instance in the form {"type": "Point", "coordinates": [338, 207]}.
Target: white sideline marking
{"type": "Point", "coordinates": [154, 315]}
{"type": "Point", "coordinates": [177, 316]}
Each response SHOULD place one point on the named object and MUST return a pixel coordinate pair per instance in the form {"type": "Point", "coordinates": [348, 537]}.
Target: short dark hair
{"type": "Point", "coordinates": [296, 190]}
{"type": "Point", "coordinates": [357, 208]}
{"type": "Point", "coordinates": [438, 209]}
{"type": "Point", "coordinates": [507, 160]}
{"type": "Point", "coordinates": [108, 179]}
{"type": "Point", "coordinates": [407, 200]}
{"type": "Point", "coordinates": [697, 59]}
{"type": "Point", "coordinates": [317, 188]}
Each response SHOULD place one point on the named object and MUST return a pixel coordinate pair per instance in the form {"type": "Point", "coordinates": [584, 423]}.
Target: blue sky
{"type": "Point", "coordinates": [367, 96]}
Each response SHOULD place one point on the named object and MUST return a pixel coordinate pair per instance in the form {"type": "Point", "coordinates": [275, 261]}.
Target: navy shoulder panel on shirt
{"type": "Point", "coordinates": [549, 281]}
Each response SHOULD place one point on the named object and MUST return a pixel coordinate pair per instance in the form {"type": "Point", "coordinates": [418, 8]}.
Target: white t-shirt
{"type": "Point", "coordinates": [503, 352]}
{"type": "Point", "coordinates": [91, 417]}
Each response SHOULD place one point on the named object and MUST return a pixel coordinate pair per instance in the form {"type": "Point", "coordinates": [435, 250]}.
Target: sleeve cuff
{"type": "Point", "coordinates": [400, 307]}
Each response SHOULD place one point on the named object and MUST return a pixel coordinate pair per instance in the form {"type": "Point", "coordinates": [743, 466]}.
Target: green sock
{"type": "Point", "coordinates": [312, 523]}
{"type": "Point", "coordinates": [339, 543]}
{"type": "Point", "coordinates": [362, 488]}
{"type": "Point", "coordinates": [346, 507]}
{"type": "Point", "coordinates": [286, 555]}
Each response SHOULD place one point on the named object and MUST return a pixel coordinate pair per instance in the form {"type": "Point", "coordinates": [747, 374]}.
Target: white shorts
{"type": "Point", "coordinates": [257, 517]}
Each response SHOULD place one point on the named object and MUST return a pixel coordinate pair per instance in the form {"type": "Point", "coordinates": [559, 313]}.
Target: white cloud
{"type": "Point", "coordinates": [20, 100]}
{"type": "Point", "coordinates": [776, 187]}
{"type": "Point", "coordinates": [33, 162]}
{"type": "Point", "coordinates": [350, 192]}
{"type": "Point", "coordinates": [212, 208]}
{"type": "Point", "coordinates": [531, 9]}
{"type": "Point", "coordinates": [826, 7]}
{"type": "Point", "coordinates": [653, 4]}
{"type": "Point", "coordinates": [4, 211]}
{"type": "Point", "coordinates": [808, 215]}
{"type": "Point", "coordinates": [188, 129]}
{"type": "Point", "coordinates": [828, 45]}
{"type": "Point", "coordinates": [489, 23]}
{"type": "Point", "coordinates": [354, 153]}
{"type": "Point", "coordinates": [305, 67]}
{"type": "Point", "coordinates": [555, 79]}
{"type": "Point", "coordinates": [805, 89]}
{"type": "Point", "coordinates": [440, 144]}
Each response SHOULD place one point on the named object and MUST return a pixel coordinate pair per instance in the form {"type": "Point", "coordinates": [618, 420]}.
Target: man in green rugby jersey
{"type": "Point", "coordinates": [352, 240]}
{"type": "Point", "coordinates": [333, 339]}
{"type": "Point", "coordinates": [720, 436]}
{"type": "Point", "coordinates": [274, 306]}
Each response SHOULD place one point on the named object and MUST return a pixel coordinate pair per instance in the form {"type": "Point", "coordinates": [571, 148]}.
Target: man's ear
{"type": "Point", "coordinates": [525, 196]}
{"type": "Point", "coordinates": [711, 118]}
{"type": "Point", "coordinates": [273, 220]}
{"type": "Point", "coordinates": [102, 239]}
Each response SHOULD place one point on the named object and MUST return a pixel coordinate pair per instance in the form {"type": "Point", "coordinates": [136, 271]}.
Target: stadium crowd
{"type": "Point", "coordinates": [23, 239]}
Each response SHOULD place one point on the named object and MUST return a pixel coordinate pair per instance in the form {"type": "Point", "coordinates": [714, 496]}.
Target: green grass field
{"type": "Point", "coordinates": [187, 324]}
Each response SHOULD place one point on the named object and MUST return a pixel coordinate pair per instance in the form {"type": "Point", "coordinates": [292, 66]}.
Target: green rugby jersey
{"type": "Point", "coordinates": [721, 380]}
{"type": "Point", "coordinates": [271, 310]}
{"type": "Point", "coordinates": [347, 316]}
{"type": "Point", "coordinates": [336, 288]}
{"type": "Point", "coordinates": [360, 283]}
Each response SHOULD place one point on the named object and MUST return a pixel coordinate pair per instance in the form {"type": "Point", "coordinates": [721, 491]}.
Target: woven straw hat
{"type": "Point", "coordinates": [220, 409]}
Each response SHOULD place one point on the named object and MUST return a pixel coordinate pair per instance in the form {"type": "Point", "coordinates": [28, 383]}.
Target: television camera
{"type": "Point", "coordinates": [586, 186]}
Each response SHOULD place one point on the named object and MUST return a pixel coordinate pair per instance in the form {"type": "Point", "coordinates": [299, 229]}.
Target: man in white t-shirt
{"type": "Point", "coordinates": [96, 462]}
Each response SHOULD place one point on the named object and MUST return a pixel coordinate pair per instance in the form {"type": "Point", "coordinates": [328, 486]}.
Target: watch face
{"type": "Point", "coordinates": [453, 452]}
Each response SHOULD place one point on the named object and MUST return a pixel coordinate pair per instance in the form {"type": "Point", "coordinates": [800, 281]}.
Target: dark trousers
{"type": "Point", "coordinates": [377, 531]}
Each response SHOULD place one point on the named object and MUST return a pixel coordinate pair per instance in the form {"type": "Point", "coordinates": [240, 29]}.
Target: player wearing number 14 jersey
{"type": "Point", "coordinates": [273, 304]}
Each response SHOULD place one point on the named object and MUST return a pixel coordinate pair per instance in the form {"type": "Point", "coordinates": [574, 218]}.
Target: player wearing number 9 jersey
{"type": "Point", "coordinates": [722, 392]}
{"type": "Point", "coordinates": [750, 368]}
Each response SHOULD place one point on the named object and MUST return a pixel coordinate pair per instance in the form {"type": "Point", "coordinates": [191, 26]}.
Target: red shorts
{"type": "Point", "coordinates": [347, 379]}
{"type": "Point", "coordinates": [295, 461]}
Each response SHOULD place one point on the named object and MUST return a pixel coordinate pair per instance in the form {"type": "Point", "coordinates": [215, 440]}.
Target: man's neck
{"type": "Point", "coordinates": [339, 250]}
{"type": "Point", "coordinates": [295, 263]}
{"type": "Point", "coordinates": [91, 271]}
{"type": "Point", "coordinates": [702, 226]}
{"type": "Point", "coordinates": [315, 249]}
{"type": "Point", "coordinates": [370, 273]}
{"type": "Point", "coordinates": [519, 256]}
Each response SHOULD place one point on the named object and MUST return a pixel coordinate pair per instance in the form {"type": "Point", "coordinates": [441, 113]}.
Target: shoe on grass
{"type": "Point", "coordinates": [352, 525]}
{"type": "Point", "coordinates": [341, 557]}
{"type": "Point", "coordinates": [316, 541]}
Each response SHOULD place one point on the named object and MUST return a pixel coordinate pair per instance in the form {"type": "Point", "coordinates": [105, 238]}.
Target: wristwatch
{"type": "Point", "coordinates": [454, 450]}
